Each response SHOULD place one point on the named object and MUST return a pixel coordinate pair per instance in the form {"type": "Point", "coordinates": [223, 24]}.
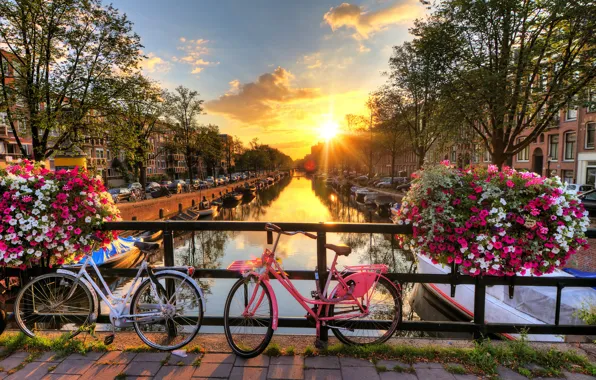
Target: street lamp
{"type": "Point", "coordinates": [548, 160]}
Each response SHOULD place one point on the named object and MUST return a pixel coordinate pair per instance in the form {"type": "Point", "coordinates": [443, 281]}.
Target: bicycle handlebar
{"type": "Point", "coordinates": [272, 227]}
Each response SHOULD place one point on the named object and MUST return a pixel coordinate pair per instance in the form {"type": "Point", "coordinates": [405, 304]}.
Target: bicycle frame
{"type": "Point", "coordinates": [117, 305]}
{"type": "Point", "coordinates": [271, 267]}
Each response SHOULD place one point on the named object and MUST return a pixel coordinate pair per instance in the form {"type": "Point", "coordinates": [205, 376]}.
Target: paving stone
{"type": "Point", "coordinates": [150, 356]}
{"type": "Point", "coordinates": [278, 371]}
{"type": "Point", "coordinates": [248, 373]}
{"type": "Point", "coordinates": [73, 367]}
{"type": "Point", "coordinates": [117, 357]}
{"type": "Point", "coordinates": [508, 374]}
{"type": "Point", "coordinates": [359, 373]}
{"type": "Point", "coordinates": [11, 362]}
{"type": "Point", "coordinates": [219, 358]}
{"type": "Point", "coordinates": [427, 365]}
{"type": "Point", "coordinates": [355, 362]}
{"type": "Point", "coordinates": [3, 374]}
{"type": "Point", "coordinates": [213, 370]}
{"type": "Point", "coordinates": [32, 371]}
{"type": "Point", "coordinates": [103, 371]}
{"type": "Point", "coordinates": [61, 377]}
{"type": "Point", "coordinates": [331, 362]}
{"type": "Point", "coordinates": [20, 354]}
{"type": "Point", "coordinates": [467, 377]}
{"type": "Point", "coordinates": [397, 376]}
{"type": "Point", "coordinates": [320, 374]}
{"type": "Point", "coordinates": [287, 360]}
{"type": "Point", "coordinates": [577, 376]}
{"type": "Point", "coordinates": [139, 377]}
{"type": "Point", "coordinates": [88, 356]}
{"type": "Point", "coordinates": [175, 372]}
{"type": "Point", "coordinates": [259, 361]}
{"type": "Point", "coordinates": [49, 356]}
{"type": "Point", "coordinates": [391, 364]}
{"type": "Point", "coordinates": [135, 368]}
{"type": "Point", "coordinates": [179, 361]}
{"type": "Point", "coordinates": [434, 373]}
{"type": "Point", "coordinates": [533, 367]}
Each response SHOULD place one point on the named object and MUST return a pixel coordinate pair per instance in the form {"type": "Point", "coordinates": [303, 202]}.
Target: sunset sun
{"type": "Point", "coordinates": [329, 130]}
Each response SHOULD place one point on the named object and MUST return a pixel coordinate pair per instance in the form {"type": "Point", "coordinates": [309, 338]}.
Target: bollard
{"type": "Point", "coordinates": [134, 218]}
{"type": "Point", "coordinates": [161, 213]}
{"type": "Point", "coordinates": [193, 203]}
{"type": "Point", "coordinates": [179, 207]}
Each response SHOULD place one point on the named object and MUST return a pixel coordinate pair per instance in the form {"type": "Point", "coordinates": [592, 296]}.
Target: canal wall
{"type": "Point", "coordinates": [149, 209]}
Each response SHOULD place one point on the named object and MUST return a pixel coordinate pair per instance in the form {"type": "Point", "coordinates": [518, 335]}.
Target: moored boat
{"type": "Point", "coordinates": [384, 203]}
{"type": "Point", "coordinates": [361, 193]}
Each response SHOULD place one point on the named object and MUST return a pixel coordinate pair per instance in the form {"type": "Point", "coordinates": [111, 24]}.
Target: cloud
{"type": "Point", "coordinates": [366, 23]}
{"type": "Point", "coordinates": [312, 61]}
{"type": "Point", "coordinates": [261, 101]}
{"type": "Point", "coordinates": [193, 52]}
{"type": "Point", "coordinates": [153, 64]}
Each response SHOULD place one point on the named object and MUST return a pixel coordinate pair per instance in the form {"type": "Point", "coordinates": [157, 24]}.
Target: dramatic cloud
{"type": "Point", "coordinates": [312, 61]}
{"type": "Point", "coordinates": [154, 64]}
{"type": "Point", "coordinates": [261, 101]}
{"type": "Point", "coordinates": [366, 23]}
{"type": "Point", "coordinates": [193, 52]}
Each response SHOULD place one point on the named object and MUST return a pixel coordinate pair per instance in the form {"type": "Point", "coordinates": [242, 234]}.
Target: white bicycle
{"type": "Point", "coordinates": [166, 309]}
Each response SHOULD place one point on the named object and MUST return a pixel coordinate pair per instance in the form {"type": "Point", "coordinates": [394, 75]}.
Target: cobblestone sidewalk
{"type": "Point", "coordinates": [161, 365]}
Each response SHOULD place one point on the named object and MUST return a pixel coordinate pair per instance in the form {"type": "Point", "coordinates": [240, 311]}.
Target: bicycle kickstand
{"type": "Point", "coordinates": [319, 344]}
{"type": "Point", "coordinates": [109, 339]}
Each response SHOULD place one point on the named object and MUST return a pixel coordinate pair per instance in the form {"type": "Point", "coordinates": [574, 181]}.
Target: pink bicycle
{"type": "Point", "coordinates": [364, 306]}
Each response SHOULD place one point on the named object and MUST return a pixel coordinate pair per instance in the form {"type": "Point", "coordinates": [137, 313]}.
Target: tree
{"type": "Point", "coordinates": [136, 118]}
{"type": "Point", "coordinates": [512, 65]}
{"type": "Point", "coordinates": [64, 55]}
{"type": "Point", "coordinates": [391, 125]}
{"type": "Point", "coordinates": [209, 146]}
{"type": "Point", "coordinates": [414, 92]}
{"type": "Point", "coordinates": [182, 107]}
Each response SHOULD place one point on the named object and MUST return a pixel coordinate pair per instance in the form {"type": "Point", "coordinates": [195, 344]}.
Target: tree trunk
{"type": "Point", "coordinates": [420, 161]}
{"type": "Point", "coordinates": [142, 174]}
{"type": "Point", "coordinates": [498, 157]}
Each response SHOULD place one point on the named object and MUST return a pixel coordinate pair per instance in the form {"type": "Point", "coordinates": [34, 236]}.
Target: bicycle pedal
{"type": "Point", "coordinates": [108, 339]}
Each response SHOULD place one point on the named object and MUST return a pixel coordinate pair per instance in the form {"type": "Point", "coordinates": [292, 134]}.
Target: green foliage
{"type": "Point", "coordinates": [587, 313]}
{"type": "Point", "coordinates": [456, 369]}
{"type": "Point", "coordinates": [290, 351]}
{"type": "Point", "coordinates": [273, 350]}
{"type": "Point", "coordinates": [63, 346]}
{"type": "Point", "coordinates": [309, 351]}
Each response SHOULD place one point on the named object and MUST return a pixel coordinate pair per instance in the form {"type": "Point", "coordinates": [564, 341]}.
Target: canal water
{"type": "Point", "coordinates": [292, 199]}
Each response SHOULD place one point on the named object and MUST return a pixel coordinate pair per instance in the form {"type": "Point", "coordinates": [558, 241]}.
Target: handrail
{"type": "Point", "coordinates": [478, 327]}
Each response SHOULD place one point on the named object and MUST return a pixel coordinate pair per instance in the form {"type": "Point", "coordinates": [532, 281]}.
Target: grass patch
{"type": "Point", "coordinates": [139, 349]}
{"type": "Point", "coordinates": [63, 346]}
{"type": "Point", "coordinates": [165, 360]}
{"type": "Point", "coordinates": [196, 350]}
{"type": "Point", "coordinates": [309, 351]}
{"type": "Point", "coordinates": [455, 369]}
{"type": "Point", "coordinates": [381, 368]}
{"type": "Point", "coordinates": [120, 376]}
{"type": "Point", "coordinates": [273, 350]}
{"type": "Point", "coordinates": [524, 372]}
{"type": "Point", "coordinates": [290, 351]}
{"type": "Point", "coordinates": [51, 368]}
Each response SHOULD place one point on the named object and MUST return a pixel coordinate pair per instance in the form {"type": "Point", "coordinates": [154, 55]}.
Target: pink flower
{"type": "Point", "coordinates": [510, 183]}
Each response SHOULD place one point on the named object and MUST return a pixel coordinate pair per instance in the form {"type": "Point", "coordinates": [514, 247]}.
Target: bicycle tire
{"type": "Point", "coordinates": [239, 349]}
{"type": "Point", "coordinates": [346, 339]}
{"type": "Point", "coordinates": [54, 282]}
{"type": "Point", "coordinates": [138, 326]}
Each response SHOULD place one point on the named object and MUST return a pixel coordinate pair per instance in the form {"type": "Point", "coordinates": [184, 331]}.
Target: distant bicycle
{"type": "Point", "coordinates": [364, 307]}
{"type": "Point", "coordinates": [166, 309]}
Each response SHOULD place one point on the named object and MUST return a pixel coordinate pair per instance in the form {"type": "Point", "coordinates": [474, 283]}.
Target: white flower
{"type": "Point", "coordinates": [503, 202]}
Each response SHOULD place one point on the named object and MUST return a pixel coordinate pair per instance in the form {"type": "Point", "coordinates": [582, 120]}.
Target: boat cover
{"type": "Point", "coordinates": [117, 247]}
{"type": "Point", "coordinates": [580, 273]}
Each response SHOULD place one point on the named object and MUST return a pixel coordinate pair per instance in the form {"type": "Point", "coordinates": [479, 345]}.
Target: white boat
{"type": "Point", "coordinates": [360, 194]}
{"type": "Point", "coordinates": [209, 211]}
{"type": "Point", "coordinates": [530, 304]}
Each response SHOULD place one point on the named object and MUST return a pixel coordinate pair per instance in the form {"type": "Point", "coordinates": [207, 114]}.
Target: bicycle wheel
{"type": "Point", "coordinates": [384, 308]}
{"type": "Point", "coordinates": [42, 304]}
{"type": "Point", "coordinates": [181, 320]}
{"type": "Point", "coordinates": [248, 336]}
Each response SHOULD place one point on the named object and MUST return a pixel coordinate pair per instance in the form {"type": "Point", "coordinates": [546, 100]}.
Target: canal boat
{"type": "Point", "coordinates": [529, 305]}
{"type": "Point", "coordinates": [248, 190]}
{"type": "Point", "coordinates": [270, 180]}
{"type": "Point", "coordinates": [353, 189]}
{"type": "Point", "coordinates": [363, 192]}
{"type": "Point", "coordinates": [394, 210]}
{"type": "Point", "coordinates": [370, 199]}
{"type": "Point", "coordinates": [121, 253]}
{"type": "Point", "coordinates": [384, 203]}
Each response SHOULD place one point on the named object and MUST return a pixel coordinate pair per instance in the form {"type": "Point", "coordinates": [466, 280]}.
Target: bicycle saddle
{"type": "Point", "coordinates": [340, 249]}
{"type": "Point", "coordinates": [146, 246]}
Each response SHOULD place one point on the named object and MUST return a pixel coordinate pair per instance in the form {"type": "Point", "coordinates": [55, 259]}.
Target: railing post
{"type": "Point", "coordinates": [168, 247]}
{"type": "Point", "coordinates": [479, 308]}
{"type": "Point", "coordinates": [322, 269]}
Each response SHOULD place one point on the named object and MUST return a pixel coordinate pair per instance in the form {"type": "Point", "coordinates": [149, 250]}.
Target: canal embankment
{"type": "Point", "coordinates": [150, 209]}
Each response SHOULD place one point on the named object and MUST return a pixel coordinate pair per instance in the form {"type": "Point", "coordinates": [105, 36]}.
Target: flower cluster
{"type": "Point", "coordinates": [56, 214]}
{"type": "Point", "coordinates": [492, 222]}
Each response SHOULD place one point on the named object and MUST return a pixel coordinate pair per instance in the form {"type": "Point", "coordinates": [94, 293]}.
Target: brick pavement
{"type": "Point", "coordinates": [160, 365]}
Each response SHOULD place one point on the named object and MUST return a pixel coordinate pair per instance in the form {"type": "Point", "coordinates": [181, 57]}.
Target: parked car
{"type": "Point", "coordinates": [574, 188]}
{"type": "Point", "coordinates": [176, 186]}
{"type": "Point", "coordinates": [152, 186]}
{"type": "Point", "coordinates": [119, 194]}
{"type": "Point", "coordinates": [203, 184]}
{"type": "Point", "coordinates": [588, 199]}
{"type": "Point", "coordinates": [135, 185]}
{"type": "Point", "coordinates": [404, 187]}
{"type": "Point", "coordinates": [223, 179]}
{"type": "Point", "coordinates": [165, 183]}
{"type": "Point", "coordinates": [211, 181]}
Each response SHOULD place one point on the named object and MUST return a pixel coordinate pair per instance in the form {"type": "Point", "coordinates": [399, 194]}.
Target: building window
{"type": "Point", "coordinates": [542, 137]}
{"type": "Point", "coordinates": [524, 154]}
{"type": "Point", "coordinates": [99, 153]}
{"type": "Point", "coordinates": [592, 100]}
{"type": "Point", "coordinates": [590, 129]}
{"type": "Point", "coordinates": [591, 175]}
{"type": "Point", "coordinates": [567, 176]}
{"type": "Point", "coordinates": [571, 113]}
{"type": "Point", "coordinates": [487, 156]}
{"type": "Point", "coordinates": [553, 147]}
{"type": "Point", "coordinates": [569, 146]}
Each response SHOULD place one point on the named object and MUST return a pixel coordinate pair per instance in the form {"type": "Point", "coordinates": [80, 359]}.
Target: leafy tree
{"type": "Point", "coordinates": [136, 117]}
{"type": "Point", "coordinates": [391, 125]}
{"type": "Point", "coordinates": [182, 107]}
{"type": "Point", "coordinates": [209, 146]}
{"type": "Point", "coordinates": [512, 65]}
{"type": "Point", "coordinates": [64, 55]}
